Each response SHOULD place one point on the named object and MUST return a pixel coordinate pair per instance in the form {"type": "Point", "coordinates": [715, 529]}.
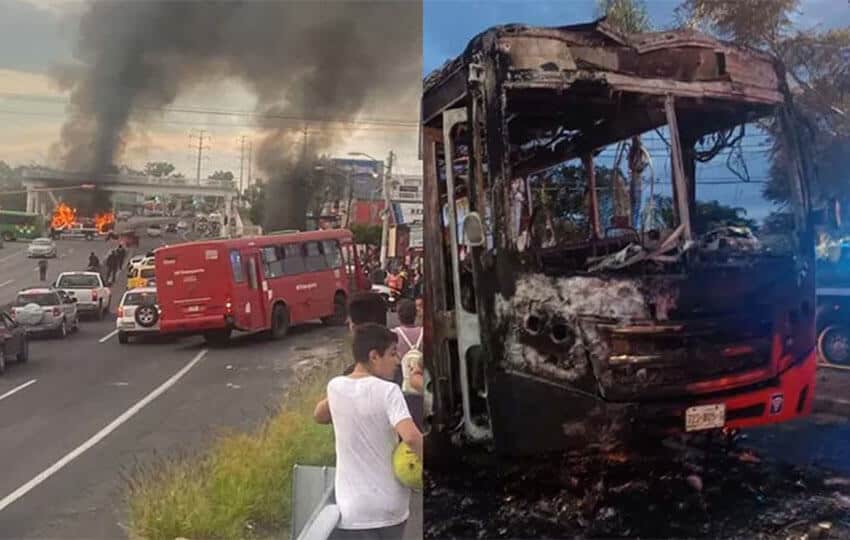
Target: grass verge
{"type": "Point", "coordinates": [241, 487]}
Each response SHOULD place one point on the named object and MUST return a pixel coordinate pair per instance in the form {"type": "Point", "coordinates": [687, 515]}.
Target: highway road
{"type": "Point", "coordinates": [85, 410]}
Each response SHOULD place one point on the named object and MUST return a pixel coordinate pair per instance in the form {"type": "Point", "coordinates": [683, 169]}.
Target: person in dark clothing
{"type": "Point", "coordinates": [94, 262]}
{"type": "Point", "coordinates": [111, 266]}
{"type": "Point", "coordinates": [42, 270]}
{"type": "Point", "coordinates": [122, 254]}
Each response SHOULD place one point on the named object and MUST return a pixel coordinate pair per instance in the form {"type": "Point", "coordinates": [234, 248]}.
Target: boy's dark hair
{"type": "Point", "coordinates": [371, 337]}
{"type": "Point", "coordinates": [367, 307]}
{"type": "Point", "coordinates": [407, 312]}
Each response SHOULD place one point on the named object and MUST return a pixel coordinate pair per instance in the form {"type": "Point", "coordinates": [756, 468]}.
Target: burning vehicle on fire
{"type": "Point", "coordinates": [570, 304]}
{"type": "Point", "coordinates": [67, 224]}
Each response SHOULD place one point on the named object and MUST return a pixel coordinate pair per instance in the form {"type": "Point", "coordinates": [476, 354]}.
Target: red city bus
{"type": "Point", "coordinates": [263, 283]}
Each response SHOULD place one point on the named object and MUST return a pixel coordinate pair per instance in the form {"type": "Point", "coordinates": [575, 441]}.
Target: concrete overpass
{"type": "Point", "coordinates": [42, 183]}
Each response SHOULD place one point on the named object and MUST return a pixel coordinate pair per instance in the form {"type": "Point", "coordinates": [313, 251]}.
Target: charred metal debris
{"type": "Point", "coordinates": [620, 308]}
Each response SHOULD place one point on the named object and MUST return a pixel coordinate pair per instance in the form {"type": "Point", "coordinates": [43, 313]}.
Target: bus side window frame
{"type": "Point", "coordinates": [300, 249]}
{"type": "Point", "coordinates": [339, 263]}
{"type": "Point", "coordinates": [236, 265]}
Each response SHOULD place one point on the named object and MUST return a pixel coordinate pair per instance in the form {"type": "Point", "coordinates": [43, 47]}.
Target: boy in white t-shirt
{"type": "Point", "coordinates": [369, 416]}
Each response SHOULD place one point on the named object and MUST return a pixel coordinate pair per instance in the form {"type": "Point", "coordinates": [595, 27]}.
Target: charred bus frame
{"type": "Point", "coordinates": [529, 350]}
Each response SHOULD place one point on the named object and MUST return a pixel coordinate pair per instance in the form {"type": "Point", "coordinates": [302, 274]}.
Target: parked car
{"type": "Point", "coordinates": [182, 225]}
{"type": "Point", "coordinates": [141, 276]}
{"type": "Point", "coordinates": [138, 313]}
{"type": "Point", "coordinates": [45, 311]}
{"type": "Point", "coordinates": [123, 215]}
{"type": "Point", "coordinates": [14, 342]}
{"type": "Point", "coordinates": [154, 231]}
{"type": "Point", "coordinates": [135, 260]}
{"type": "Point", "coordinates": [43, 248]}
{"type": "Point", "coordinates": [88, 289]}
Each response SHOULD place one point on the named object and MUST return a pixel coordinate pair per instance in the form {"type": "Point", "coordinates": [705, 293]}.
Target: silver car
{"type": "Point", "coordinates": [42, 248]}
{"type": "Point", "coordinates": [45, 311]}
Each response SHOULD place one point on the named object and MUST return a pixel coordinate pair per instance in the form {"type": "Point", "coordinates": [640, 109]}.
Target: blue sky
{"type": "Point", "coordinates": [449, 25]}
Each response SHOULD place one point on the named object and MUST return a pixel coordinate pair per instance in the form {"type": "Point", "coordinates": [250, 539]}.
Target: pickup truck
{"type": "Point", "coordinates": [79, 230]}
{"type": "Point", "coordinates": [89, 290]}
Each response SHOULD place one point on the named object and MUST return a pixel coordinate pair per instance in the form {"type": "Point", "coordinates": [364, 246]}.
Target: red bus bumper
{"type": "Point", "coordinates": [195, 325]}
{"type": "Point", "coordinates": [530, 415]}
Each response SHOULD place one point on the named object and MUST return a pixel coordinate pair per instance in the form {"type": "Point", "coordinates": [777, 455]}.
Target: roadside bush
{"type": "Point", "coordinates": [241, 487]}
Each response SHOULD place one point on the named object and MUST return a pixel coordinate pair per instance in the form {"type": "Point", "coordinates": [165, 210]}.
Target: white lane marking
{"type": "Point", "coordinates": [7, 282]}
{"type": "Point", "coordinates": [108, 336]}
{"type": "Point", "coordinates": [99, 436]}
{"type": "Point", "coordinates": [17, 389]}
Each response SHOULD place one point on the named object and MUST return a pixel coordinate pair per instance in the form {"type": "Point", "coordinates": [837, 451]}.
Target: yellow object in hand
{"type": "Point", "coordinates": [407, 466]}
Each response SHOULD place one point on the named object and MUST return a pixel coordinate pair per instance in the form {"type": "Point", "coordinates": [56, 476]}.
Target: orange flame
{"type": "Point", "coordinates": [64, 216]}
{"type": "Point", "coordinates": [104, 222]}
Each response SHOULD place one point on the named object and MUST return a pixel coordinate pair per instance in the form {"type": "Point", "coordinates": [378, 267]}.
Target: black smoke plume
{"type": "Point", "coordinates": [316, 59]}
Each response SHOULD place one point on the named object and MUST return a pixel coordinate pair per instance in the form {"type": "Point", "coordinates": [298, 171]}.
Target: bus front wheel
{"type": "Point", "coordinates": [280, 322]}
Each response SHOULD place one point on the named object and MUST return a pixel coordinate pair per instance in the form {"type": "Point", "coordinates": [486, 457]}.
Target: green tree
{"type": "Point", "coordinates": [255, 195]}
{"type": "Point", "coordinates": [366, 234]}
{"type": "Point", "coordinates": [754, 23]}
{"type": "Point", "coordinates": [224, 176]}
{"type": "Point", "coordinates": [10, 181]}
{"type": "Point", "coordinates": [818, 66]}
{"type": "Point", "coordinates": [708, 215]}
{"type": "Point", "coordinates": [160, 169]}
{"type": "Point", "coordinates": [628, 16]}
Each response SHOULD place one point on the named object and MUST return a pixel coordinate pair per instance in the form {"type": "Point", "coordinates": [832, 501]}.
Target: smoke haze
{"type": "Point", "coordinates": [316, 59]}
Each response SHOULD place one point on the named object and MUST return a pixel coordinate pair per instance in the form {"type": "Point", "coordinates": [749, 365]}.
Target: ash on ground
{"type": "Point", "coordinates": [682, 489]}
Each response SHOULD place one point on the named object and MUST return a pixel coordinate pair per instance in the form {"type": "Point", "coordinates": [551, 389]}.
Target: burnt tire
{"type": "Point", "coordinates": [123, 338]}
{"type": "Point", "coordinates": [834, 344]}
{"type": "Point", "coordinates": [24, 354]}
{"type": "Point", "coordinates": [147, 316]}
{"type": "Point", "coordinates": [280, 322]}
{"type": "Point", "coordinates": [340, 312]}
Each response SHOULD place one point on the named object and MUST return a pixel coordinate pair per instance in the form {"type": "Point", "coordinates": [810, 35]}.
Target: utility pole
{"type": "Point", "coordinates": [250, 161]}
{"type": "Point", "coordinates": [201, 136]}
{"type": "Point", "coordinates": [241, 165]}
{"type": "Point", "coordinates": [385, 229]}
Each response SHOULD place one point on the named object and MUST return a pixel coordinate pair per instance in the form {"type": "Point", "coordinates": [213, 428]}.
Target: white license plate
{"type": "Point", "coordinates": [705, 417]}
{"type": "Point", "coordinates": [192, 309]}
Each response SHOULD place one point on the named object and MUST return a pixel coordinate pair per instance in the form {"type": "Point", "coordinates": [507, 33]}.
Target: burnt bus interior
{"type": "Point", "coordinates": [514, 132]}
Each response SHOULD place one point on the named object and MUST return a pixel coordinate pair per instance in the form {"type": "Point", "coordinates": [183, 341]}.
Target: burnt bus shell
{"type": "Point", "coordinates": [575, 376]}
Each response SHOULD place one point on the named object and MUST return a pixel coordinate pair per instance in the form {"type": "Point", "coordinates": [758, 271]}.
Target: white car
{"type": "Point", "coordinates": [135, 260]}
{"type": "Point", "coordinates": [91, 295]}
{"type": "Point", "coordinates": [138, 314]}
{"type": "Point", "coordinates": [45, 311]}
{"type": "Point", "coordinates": [182, 225]}
{"type": "Point", "coordinates": [154, 231]}
{"type": "Point", "coordinates": [42, 248]}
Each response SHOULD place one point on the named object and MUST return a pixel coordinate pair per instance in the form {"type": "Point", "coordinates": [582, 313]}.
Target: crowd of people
{"type": "Point", "coordinates": [376, 403]}
{"type": "Point", "coordinates": [113, 264]}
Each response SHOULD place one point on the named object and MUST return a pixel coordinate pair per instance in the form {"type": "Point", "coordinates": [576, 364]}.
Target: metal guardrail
{"type": "Point", "coordinates": [314, 511]}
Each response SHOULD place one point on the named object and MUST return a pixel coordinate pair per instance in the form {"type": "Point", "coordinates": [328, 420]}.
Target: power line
{"type": "Point", "coordinates": [231, 112]}
{"type": "Point", "coordinates": [325, 129]}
